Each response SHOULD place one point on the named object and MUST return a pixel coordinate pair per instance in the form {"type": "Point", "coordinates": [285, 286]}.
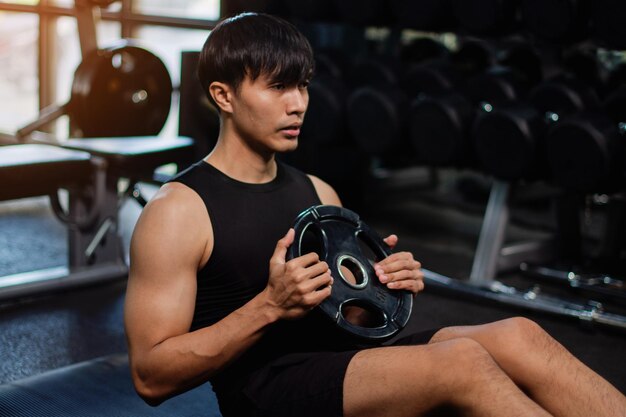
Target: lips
{"type": "Point", "coordinates": [292, 130]}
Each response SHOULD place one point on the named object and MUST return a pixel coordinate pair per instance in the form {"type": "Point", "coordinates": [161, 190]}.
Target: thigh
{"type": "Point", "coordinates": [385, 381]}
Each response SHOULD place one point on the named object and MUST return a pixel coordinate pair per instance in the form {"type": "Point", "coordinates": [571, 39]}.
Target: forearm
{"type": "Point", "coordinates": [183, 362]}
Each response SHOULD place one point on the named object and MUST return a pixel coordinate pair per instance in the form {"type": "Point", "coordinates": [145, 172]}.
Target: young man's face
{"type": "Point", "coordinates": [269, 114]}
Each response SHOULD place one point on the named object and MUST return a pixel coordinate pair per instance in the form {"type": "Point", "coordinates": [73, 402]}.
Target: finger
{"type": "Point", "coordinates": [414, 286]}
{"type": "Point", "coordinates": [280, 252]}
{"type": "Point", "coordinates": [314, 298]}
{"type": "Point", "coordinates": [396, 262]}
{"type": "Point", "coordinates": [315, 269]}
{"type": "Point", "coordinates": [317, 283]}
{"type": "Point", "coordinates": [402, 275]}
{"type": "Point", "coordinates": [306, 260]}
{"type": "Point", "coordinates": [391, 241]}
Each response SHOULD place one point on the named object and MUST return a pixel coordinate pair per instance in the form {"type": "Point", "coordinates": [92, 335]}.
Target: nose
{"type": "Point", "coordinates": [298, 101]}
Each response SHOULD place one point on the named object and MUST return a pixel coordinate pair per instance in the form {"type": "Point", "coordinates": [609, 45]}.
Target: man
{"type": "Point", "coordinates": [212, 297]}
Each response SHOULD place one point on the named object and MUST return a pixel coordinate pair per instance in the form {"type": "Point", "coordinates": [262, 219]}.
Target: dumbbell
{"type": "Point", "coordinates": [509, 140]}
{"type": "Point", "coordinates": [377, 105]}
{"type": "Point", "coordinates": [440, 123]}
{"type": "Point", "coordinates": [587, 152]}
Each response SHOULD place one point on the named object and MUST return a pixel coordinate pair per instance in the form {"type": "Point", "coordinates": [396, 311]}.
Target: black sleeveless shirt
{"type": "Point", "coordinates": [248, 220]}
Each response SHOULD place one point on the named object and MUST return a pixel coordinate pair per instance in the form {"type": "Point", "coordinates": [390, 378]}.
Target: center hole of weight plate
{"type": "Point", "coordinates": [352, 271]}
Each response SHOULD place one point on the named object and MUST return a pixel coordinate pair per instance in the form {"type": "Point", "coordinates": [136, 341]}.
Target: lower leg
{"type": "Point", "coordinates": [409, 381]}
{"type": "Point", "coordinates": [551, 375]}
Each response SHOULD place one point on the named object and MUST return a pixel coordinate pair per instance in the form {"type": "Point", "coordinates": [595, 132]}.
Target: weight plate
{"type": "Point", "coordinates": [351, 248]}
{"type": "Point", "coordinates": [120, 91]}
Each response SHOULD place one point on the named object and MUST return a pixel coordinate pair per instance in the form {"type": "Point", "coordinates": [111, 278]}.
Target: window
{"type": "Point", "coordinates": [165, 27]}
{"type": "Point", "coordinates": [197, 9]}
{"type": "Point", "coordinates": [18, 69]}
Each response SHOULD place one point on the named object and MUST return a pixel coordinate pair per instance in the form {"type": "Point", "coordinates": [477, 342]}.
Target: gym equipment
{"type": "Point", "coordinates": [488, 289]}
{"type": "Point", "coordinates": [92, 171]}
{"type": "Point", "coordinates": [475, 80]}
{"type": "Point", "coordinates": [42, 169]}
{"type": "Point", "coordinates": [600, 284]}
{"type": "Point", "coordinates": [587, 152]}
{"type": "Point", "coordinates": [509, 139]}
{"type": "Point", "coordinates": [121, 90]}
{"type": "Point", "coordinates": [350, 248]}
{"type": "Point", "coordinates": [440, 115]}
{"type": "Point", "coordinates": [377, 108]}
{"type": "Point", "coordinates": [557, 20]}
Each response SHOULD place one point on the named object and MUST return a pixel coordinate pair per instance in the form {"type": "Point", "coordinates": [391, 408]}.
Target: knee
{"type": "Point", "coordinates": [469, 362]}
{"type": "Point", "coordinates": [521, 331]}
{"type": "Point", "coordinates": [464, 353]}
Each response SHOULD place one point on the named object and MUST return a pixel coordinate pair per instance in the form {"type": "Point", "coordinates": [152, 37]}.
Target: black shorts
{"type": "Point", "coordinates": [301, 384]}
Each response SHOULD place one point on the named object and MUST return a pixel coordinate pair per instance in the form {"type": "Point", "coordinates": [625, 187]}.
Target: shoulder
{"type": "Point", "coordinates": [174, 219]}
{"type": "Point", "coordinates": [326, 193]}
{"type": "Point", "coordinates": [176, 200]}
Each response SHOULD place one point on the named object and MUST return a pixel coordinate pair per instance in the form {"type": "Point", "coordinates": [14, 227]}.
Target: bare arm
{"type": "Point", "coordinates": [171, 241]}
{"type": "Point", "coordinates": [325, 192]}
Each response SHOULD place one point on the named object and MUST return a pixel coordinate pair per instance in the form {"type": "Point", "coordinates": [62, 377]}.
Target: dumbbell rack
{"type": "Point", "coordinates": [489, 257]}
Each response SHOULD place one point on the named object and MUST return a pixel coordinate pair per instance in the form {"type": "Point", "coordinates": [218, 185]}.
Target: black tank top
{"type": "Point", "coordinates": [248, 220]}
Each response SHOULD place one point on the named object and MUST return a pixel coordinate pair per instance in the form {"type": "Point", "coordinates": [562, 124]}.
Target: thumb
{"type": "Point", "coordinates": [280, 252]}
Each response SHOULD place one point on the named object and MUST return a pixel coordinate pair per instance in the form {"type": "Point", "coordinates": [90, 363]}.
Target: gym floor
{"type": "Point", "coordinates": [55, 330]}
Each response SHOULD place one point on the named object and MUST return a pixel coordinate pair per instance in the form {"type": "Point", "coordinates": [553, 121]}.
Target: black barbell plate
{"type": "Point", "coordinates": [339, 230]}
{"type": "Point", "coordinates": [123, 90]}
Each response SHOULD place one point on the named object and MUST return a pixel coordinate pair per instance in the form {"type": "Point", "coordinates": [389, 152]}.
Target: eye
{"type": "Point", "coordinates": [278, 86]}
{"type": "Point", "coordinates": [303, 85]}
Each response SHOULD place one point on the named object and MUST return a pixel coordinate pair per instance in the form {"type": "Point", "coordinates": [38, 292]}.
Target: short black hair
{"type": "Point", "coordinates": [255, 44]}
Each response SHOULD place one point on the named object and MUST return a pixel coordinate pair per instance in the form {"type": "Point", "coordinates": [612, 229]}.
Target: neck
{"type": "Point", "coordinates": [237, 160]}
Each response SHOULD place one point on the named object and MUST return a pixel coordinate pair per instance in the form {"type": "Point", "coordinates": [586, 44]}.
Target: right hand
{"type": "Point", "coordinates": [296, 286]}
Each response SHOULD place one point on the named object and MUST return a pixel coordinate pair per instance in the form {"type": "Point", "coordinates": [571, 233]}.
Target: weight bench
{"type": "Point", "coordinates": [93, 171]}
{"type": "Point", "coordinates": [100, 387]}
{"type": "Point", "coordinates": [33, 170]}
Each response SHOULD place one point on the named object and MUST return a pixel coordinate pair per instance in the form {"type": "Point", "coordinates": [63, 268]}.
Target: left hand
{"type": "Point", "coordinates": [399, 271]}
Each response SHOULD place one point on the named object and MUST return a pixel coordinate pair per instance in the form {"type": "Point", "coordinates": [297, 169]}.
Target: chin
{"type": "Point", "coordinates": [290, 146]}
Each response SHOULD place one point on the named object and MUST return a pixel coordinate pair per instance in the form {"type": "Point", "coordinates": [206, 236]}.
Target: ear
{"type": "Point", "coordinates": [222, 95]}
